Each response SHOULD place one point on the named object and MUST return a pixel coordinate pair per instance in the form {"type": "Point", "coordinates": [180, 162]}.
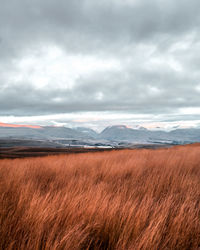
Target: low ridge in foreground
{"type": "Point", "coordinates": [129, 199]}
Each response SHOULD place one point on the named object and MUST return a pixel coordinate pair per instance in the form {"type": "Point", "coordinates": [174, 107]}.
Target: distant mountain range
{"type": "Point", "coordinates": [112, 135]}
{"type": "Point", "coordinates": [142, 135]}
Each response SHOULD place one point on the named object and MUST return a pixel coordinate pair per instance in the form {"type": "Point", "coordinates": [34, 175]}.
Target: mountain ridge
{"type": "Point", "coordinates": [115, 133]}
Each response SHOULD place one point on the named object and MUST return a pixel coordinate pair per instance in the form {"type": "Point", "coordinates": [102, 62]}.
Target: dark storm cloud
{"type": "Point", "coordinates": [101, 29]}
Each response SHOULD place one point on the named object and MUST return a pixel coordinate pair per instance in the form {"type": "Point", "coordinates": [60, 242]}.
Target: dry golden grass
{"type": "Point", "coordinates": [130, 199]}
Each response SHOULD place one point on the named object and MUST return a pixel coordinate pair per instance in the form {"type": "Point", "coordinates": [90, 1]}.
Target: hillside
{"type": "Point", "coordinates": [128, 199]}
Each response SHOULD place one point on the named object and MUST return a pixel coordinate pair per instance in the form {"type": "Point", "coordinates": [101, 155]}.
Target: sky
{"type": "Point", "coordinates": [98, 63]}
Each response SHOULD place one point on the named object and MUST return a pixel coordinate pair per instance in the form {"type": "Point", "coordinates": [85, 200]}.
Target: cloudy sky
{"type": "Point", "coordinates": [96, 63]}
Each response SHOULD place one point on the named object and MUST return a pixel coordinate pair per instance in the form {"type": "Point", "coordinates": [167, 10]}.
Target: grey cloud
{"type": "Point", "coordinates": [136, 94]}
{"type": "Point", "coordinates": [87, 25]}
{"type": "Point", "coordinates": [103, 28]}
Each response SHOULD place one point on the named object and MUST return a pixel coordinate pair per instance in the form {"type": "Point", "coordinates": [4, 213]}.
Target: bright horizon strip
{"type": "Point", "coordinates": [19, 125]}
{"type": "Point", "coordinates": [97, 121]}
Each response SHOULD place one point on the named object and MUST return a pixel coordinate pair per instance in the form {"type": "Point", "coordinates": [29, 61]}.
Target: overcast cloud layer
{"type": "Point", "coordinates": [134, 57]}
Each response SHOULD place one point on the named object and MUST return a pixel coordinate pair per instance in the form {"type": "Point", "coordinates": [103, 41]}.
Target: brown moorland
{"type": "Point", "coordinates": [128, 199]}
{"type": "Point", "coordinates": [24, 152]}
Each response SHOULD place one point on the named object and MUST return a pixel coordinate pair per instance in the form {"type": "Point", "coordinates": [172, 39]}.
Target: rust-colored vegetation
{"type": "Point", "coordinates": [129, 199]}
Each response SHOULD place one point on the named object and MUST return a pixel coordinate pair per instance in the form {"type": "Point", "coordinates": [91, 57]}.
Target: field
{"type": "Point", "coordinates": [127, 199]}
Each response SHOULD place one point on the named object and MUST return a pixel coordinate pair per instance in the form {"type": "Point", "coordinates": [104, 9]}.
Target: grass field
{"type": "Point", "coordinates": [128, 199]}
